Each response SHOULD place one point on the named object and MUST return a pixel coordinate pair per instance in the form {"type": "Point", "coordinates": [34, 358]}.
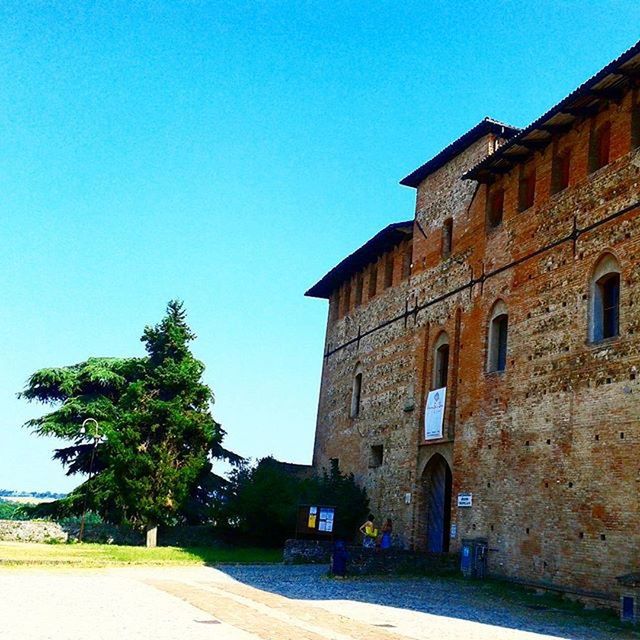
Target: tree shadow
{"type": "Point", "coordinates": [486, 602]}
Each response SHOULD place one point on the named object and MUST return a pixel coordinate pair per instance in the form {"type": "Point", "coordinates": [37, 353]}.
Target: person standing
{"type": "Point", "coordinates": [370, 533]}
{"type": "Point", "coordinates": [387, 530]}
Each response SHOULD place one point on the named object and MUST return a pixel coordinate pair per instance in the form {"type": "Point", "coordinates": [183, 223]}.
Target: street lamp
{"type": "Point", "coordinates": [96, 438]}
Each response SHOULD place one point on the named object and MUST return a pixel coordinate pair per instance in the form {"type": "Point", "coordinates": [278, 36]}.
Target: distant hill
{"type": "Point", "coordinates": [10, 494]}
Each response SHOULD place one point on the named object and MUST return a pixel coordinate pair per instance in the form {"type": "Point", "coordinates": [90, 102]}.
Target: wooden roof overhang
{"type": "Point", "coordinates": [610, 84]}
{"type": "Point", "coordinates": [369, 252]}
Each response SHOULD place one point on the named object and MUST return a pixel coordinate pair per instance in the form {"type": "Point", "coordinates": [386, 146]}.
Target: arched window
{"type": "Point", "coordinates": [605, 299]}
{"type": "Point", "coordinates": [498, 336]}
{"type": "Point", "coordinates": [356, 391]}
{"type": "Point", "coordinates": [441, 361]}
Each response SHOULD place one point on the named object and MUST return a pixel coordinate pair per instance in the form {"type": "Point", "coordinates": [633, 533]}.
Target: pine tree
{"type": "Point", "coordinates": [152, 464]}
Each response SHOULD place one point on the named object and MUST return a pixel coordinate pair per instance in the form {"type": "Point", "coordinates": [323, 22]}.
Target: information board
{"type": "Point", "coordinates": [315, 521]}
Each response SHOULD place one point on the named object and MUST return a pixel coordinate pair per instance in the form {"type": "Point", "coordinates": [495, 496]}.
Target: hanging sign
{"type": "Point", "coordinates": [434, 415]}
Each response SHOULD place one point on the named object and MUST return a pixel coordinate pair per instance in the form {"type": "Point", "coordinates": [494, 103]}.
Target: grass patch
{"type": "Point", "coordinates": [91, 556]}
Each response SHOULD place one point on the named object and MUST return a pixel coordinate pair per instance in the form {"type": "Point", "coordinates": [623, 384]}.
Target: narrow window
{"type": "Point", "coordinates": [359, 283]}
{"type": "Point", "coordinates": [388, 271]}
{"type": "Point", "coordinates": [605, 299]}
{"type": "Point", "coordinates": [447, 238]}
{"type": "Point", "coordinates": [334, 303]}
{"type": "Point", "coordinates": [599, 147]}
{"type": "Point", "coordinates": [498, 337]}
{"type": "Point", "coordinates": [376, 455]}
{"type": "Point", "coordinates": [373, 281]}
{"type": "Point", "coordinates": [441, 361]}
{"type": "Point", "coordinates": [356, 391]}
{"type": "Point", "coordinates": [495, 207]}
{"type": "Point", "coordinates": [346, 300]}
{"type": "Point", "coordinates": [635, 125]}
{"type": "Point", "coordinates": [527, 189]}
{"type": "Point", "coordinates": [560, 169]}
{"type": "Point", "coordinates": [406, 261]}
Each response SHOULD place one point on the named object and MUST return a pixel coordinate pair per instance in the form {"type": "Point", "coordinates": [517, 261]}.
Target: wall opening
{"type": "Point", "coordinates": [436, 480]}
{"type": "Point", "coordinates": [498, 338]}
{"type": "Point", "coordinates": [605, 299]}
{"type": "Point", "coordinates": [447, 238]}
{"type": "Point", "coordinates": [356, 392]}
{"type": "Point", "coordinates": [441, 361]}
{"type": "Point", "coordinates": [373, 281]}
{"type": "Point", "coordinates": [376, 456]}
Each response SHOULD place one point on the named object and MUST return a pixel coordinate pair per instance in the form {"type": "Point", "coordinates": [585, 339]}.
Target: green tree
{"type": "Point", "coordinates": [262, 503]}
{"type": "Point", "coordinates": [154, 465]}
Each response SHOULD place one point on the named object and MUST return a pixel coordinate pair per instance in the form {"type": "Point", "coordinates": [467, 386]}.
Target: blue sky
{"type": "Point", "coordinates": [229, 154]}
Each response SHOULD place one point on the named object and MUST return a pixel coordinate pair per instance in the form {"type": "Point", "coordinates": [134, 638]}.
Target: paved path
{"type": "Point", "coordinates": [263, 603]}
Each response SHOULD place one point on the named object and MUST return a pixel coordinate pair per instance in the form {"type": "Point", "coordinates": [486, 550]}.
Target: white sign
{"type": "Point", "coordinates": [465, 499]}
{"type": "Point", "coordinates": [434, 415]}
{"type": "Point", "coordinates": [326, 520]}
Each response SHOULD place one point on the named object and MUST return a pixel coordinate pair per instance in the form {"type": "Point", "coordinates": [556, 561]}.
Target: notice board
{"type": "Point", "coordinates": [315, 521]}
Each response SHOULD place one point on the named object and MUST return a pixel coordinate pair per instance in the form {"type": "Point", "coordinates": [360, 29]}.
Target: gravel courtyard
{"type": "Point", "coordinates": [271, 602]}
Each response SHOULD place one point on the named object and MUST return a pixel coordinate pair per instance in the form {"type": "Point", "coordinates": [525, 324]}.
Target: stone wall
{"type": "Point", "coordinates": [32, 531]}
{"type": "Point", "coordinates": [54, 532]}
{"type": "Point", "coordinates": [370, 561]}
{"type": "Point", "coordinates": [549, 448]}
{"type": "Point", "coordinates": [67, 531]}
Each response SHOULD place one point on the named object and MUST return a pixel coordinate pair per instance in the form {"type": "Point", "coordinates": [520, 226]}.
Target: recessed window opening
{"type": "Point", "coordinates": [605, 300]}
{"type": "Point", "coordinates": [599, 147]}
{"type": "Point", "coordinates": [376, 455]}
{"type": "Point", "coordinates": [359, 283]}
{"type": "Point", "coordinates": [495, 208]}
{"type": "Point", "coordinates": [334, 303]}
{"type": "Point", "coordinates": [447, 238]}
{"type": "Point", "coordinates": [388, 271]}
{"type": "Point", "coordinates": [527, 188]}
{"type": "Point", "coordinates": [498, 335]}
{"type": "Point", "coordinates": [373, 281]}
{"type": "Point", "coordinates": [635, 125]}
{"type": "Point", "coordinates": [561, 166]}
{"type": "Point", "coordinates": [406, 261]}
{"type": "Point", "coordinates": [356, 392]}
{"type": "Point", "coordinates": [346, 299]}
{"type": "Point", "coordinates": [441, 361]}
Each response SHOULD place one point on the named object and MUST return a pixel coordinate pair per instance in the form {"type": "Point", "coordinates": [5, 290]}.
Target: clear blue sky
{"type": "Point", "coordinates": [229, 154]}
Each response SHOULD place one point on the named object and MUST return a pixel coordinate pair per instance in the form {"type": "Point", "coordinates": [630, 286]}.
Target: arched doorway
{"type": "Point", "coordinates": [436, 480]}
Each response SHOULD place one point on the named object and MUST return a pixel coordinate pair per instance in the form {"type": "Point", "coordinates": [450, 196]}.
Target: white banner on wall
{"type": "Point", "coordinates": [434, 415]}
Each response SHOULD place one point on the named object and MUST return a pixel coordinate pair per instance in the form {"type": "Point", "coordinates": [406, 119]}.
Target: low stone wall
{"type": "Point", "coordinates": [371, 561]}
{"type": "Point", "coordinates": [307, 551]}
{"type": "Point", "coordinates": [58, 532]}
{"type": "Point", "coordinates": [188, 536]}
{"type": "Point", "coordinates": [32, 531]}
{"type": "Point", "coordinates": [68, 530]}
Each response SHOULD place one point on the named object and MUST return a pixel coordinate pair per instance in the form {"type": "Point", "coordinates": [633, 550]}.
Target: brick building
{"type": "Point", "coordinates": [514, 288]}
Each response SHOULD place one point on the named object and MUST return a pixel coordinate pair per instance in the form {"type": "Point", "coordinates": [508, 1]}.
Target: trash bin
{"type": "Point", "coordinates": [339, 559]}
{"type": "Point", "coordinates": [466, 558]}
{"type": "Point", "coordinates": [473, 558]}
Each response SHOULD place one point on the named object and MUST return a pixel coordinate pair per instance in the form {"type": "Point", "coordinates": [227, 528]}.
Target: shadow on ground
{"type": "Point", "coordinates": [488, 602]}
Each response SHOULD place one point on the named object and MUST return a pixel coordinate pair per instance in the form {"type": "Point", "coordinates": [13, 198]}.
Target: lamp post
{"type": "Point", "coordinates": [96, 438]}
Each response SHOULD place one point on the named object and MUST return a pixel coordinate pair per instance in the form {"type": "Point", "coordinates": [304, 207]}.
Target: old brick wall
{"type": "Point", "coordinates": [549, 447]}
